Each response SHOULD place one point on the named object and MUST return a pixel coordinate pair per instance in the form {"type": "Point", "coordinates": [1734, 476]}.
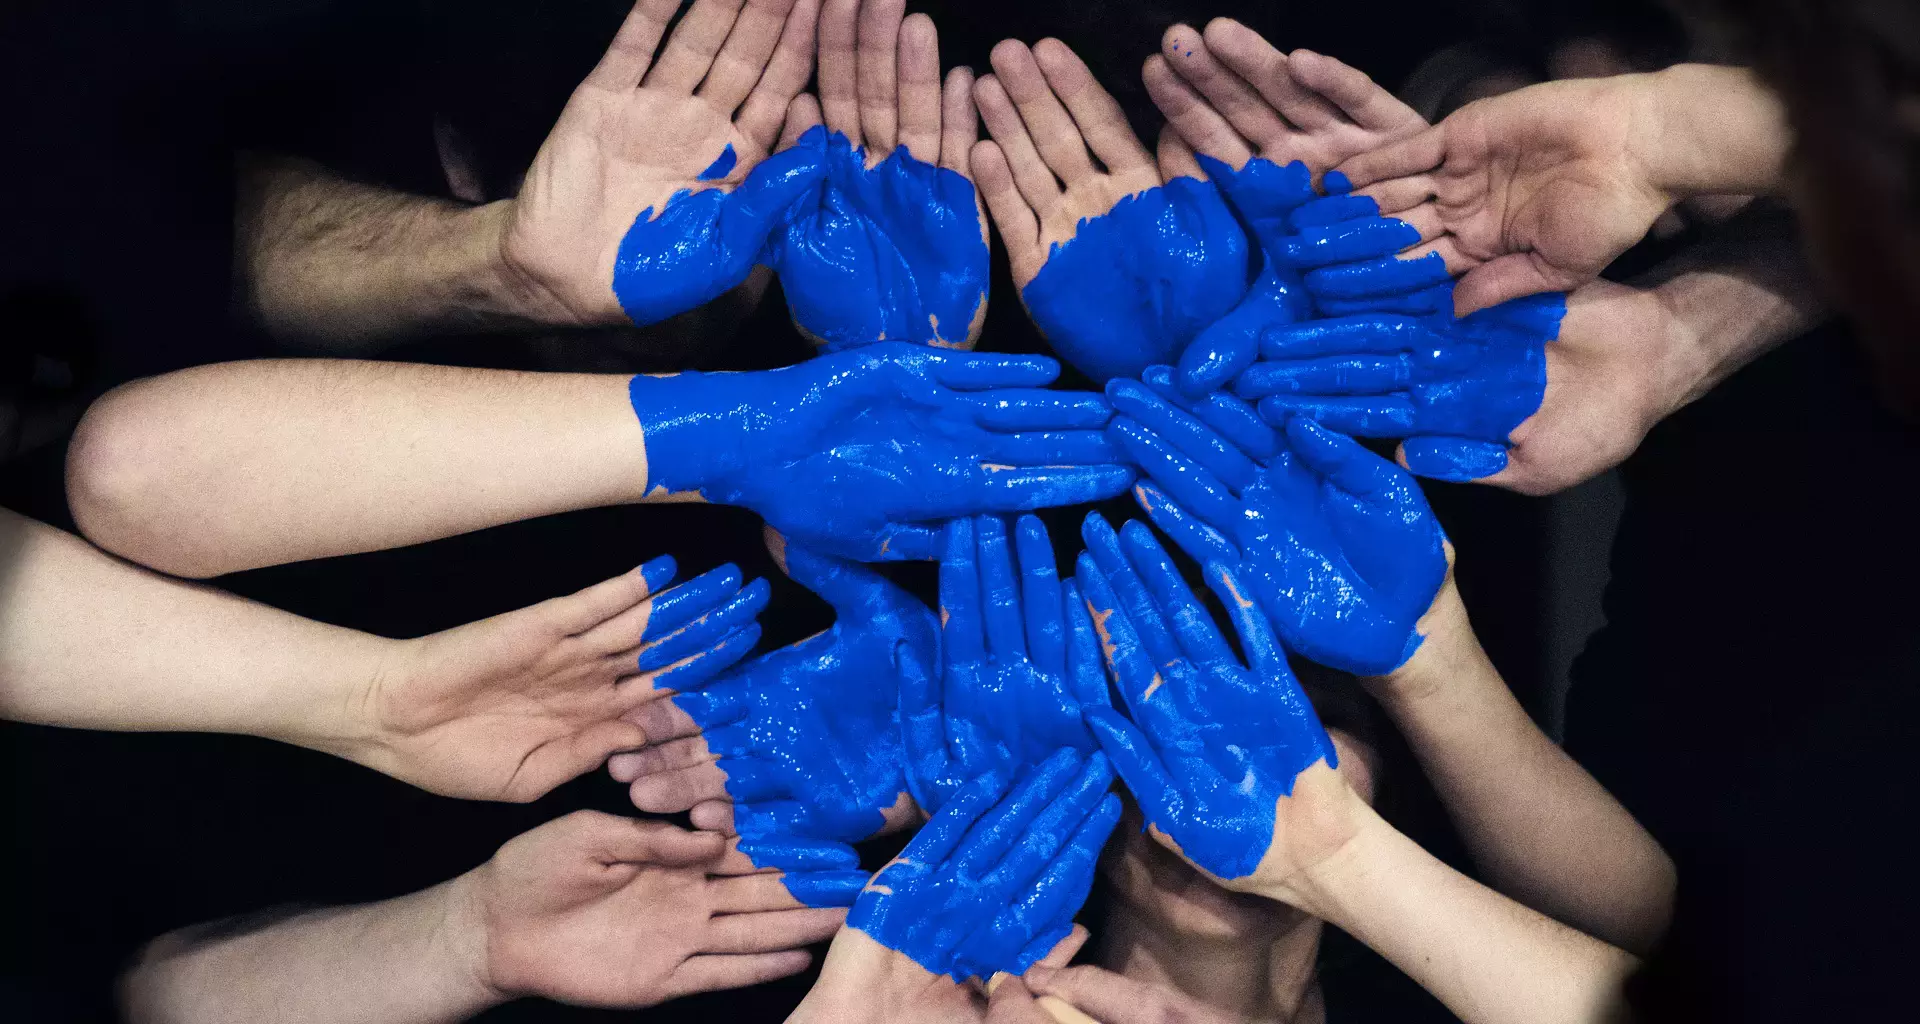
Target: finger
{"type": "Point", "coordinates": [1342, 460]}
{"type": "Point", "coordinates": [1137, 763]}
{"type": "Point", "coordinates": [789, 853]}
{"type": "Point", "coordinates": [1454, 459]}
{"type": "Point", "coordinates": [627, 57]}
{"type": "Point", "coordinates": [1416, 154]}
{"type": "Point", "coordinates": [655, 759]}
{"type": "Point", "coordinates": [1053, 133]}
{"type": "Point", "coordinates": [1175, 158]}
{"type": "Point", "coordinates": [1191, 116]}
{"type": "Point", "coordinates": [826, 888]}
{"type": "Point", "coordinates": [1427, 302]}
{"type": "Point", "coordinates": [690, 50]}
{"type": "Point", "coordinates": [720, 973]}
{"type": "Point", "coordinates": [758, 893]}
{"type": "Point", "coordinates": [1189, 482]}
{"type": "Point", "coordinates": [979, 371]}
{"type": "Point", "coordinates": [1360, 98]}
{"type": "Point", "coordinates": [706, 632]}
{"type": "Point", "coordinates": [769, 931]}
{"type": "Point", "coordinates": [878, 85]}
{"type": "Point", "coordinates": [614, 838]}
{"type": "Point", "coordinates": [919, 83]}
{"type": "Point", "coordinates": [851, 588]}
{"type": "Point", "coordinates": [570, 757]}
{"type": "Point", "coordinates": [1046, 629]}
{"type": "Point", "coordinates": [582, 610]}
{"type": "Point", "coordinates": [1023, 409]}
{"type": "Point", "coordinates": [1327, 375]}
{"type": "Point", "coordinates": [1265, 68]}
{"type": "Point", "coordinates": [672, 792]}
{"type": "Point", "coordinates": [1086, 670]}
{"type": "Point", "coordinates": [1508, 277]}
{"type": "Point", "coordinates": [1201, 542]}
{"type": "Point", "coordinates": [959, 122]}
{"type": "Point", "coordinates": [1214, 453]}
{"type": "Point", "coordinates": [1230, 417]}
{"type": "Point", "coordinates": [803, 115]}
{"type": "Point", "coordinates": [963, 629]}
{"type": "Point", "coordinates": [1019, 228]}
{"type": "Point", "coordinates": [1060, 885]}
{"type": "Point", "coordinates": [1257, 638]}
{"type": "Point", "coordinates": [744, 56]}
{"type": "Point", "coordinates": [1389, 276]}
{"type": "Point", "coordinates": [1050, 831]}
{"type": "Point", "coordinates": [1051, 448]}
{"type": "Point", "coordinates": [839, 67]}
{"type": "Point", "coordinates": [1006, 630]}
{"type": "Point", "coordinates": [1097, 115]}
{"type": "Point", "coordinates": [1228, 95]}
{"type": "Point", "coordinates": [1066, 949]}
{"type": "Point", "coordinates": [1378, 416]}
{"type": "Point", "coordinates": [1001, 830]}
{"type": "Point", "coordinates": [1394, 197]}
{"type": "Point", "coordinates": [713, 816]}
{"type": "Point", "coordinates": [1133, 669]}
{"type": "Point", "coordinates": [1348, 336]}
{"type": "Point", "coordinates": [1039, 189]}
{"type": "Point", "coordinates": [770, 102]}
{"type": "Point", "coordinates": [723, 703]}
{"type": "Point", "coordinates": [1024, 489]}
{"type": "Point", "coordinates": [1148, 621]}
{"type": "Point", "coordinates": [1346, 241]}
{"type": "Point", "coordinates": [662, 721]}
{"type": "Point", "coordinates": [1107, 996]}
{"type": "Point", "coordinates": [906, 542]}
{"type": "Point", "coordinates": [749, 779]}
{"type": "Point", "coordinates": [696, 669]}
{"type": "Point", "coordinates": [947, 829]}
{"type": "Point", "coordinates": [664, 612]}
{"type": "Point", "coordinates": [1199, 637]}
{"type": "Point", "coordinates": [1009, 1002]}
{"type": "Point", "coordinates": [923, 726]}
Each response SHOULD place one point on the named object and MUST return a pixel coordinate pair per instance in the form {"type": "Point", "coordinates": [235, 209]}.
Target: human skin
{"type": "Point", "coordinates": [589, 909]}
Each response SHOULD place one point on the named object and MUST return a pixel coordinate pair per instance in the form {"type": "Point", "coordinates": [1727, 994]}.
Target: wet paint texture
{"type": "Point", "coordinates": [809, 735]}
{"type": "Point", "coordinates": [701, 628]}
{"type": "Point", "coordinates": [993, 880]}
{"type": "Point", "coordinates": [1337, 544]}
{"type": "Point", "coordinates": [1264, 194]}
{"type": "Point", "coordinates": [895, 252]}
{"type": "Point", "coordinates": [700, 243]}
{"type": "Point", "coordinates": [1019, 662]}
{"type": "Point", "coordinates": [865, 453]}
{"type": "Point", "coordinates": [1208, 746]}
{"type": "Point", "coordinates": [722, 165]}
{"type": "Point", "coordinates": [1135, 285]}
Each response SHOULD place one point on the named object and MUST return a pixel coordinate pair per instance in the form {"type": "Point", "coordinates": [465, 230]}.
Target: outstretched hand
{"type": "Point", "coordinates": [1118, 270]}
{"type": "Point", "coordinates": [893, 246]}
{"type": "Point", "coordinates": [862, 453]}
{"type": "Point", "coordinates": [654, 193]}
{"type": "Point", "coordinates": [509, 707]}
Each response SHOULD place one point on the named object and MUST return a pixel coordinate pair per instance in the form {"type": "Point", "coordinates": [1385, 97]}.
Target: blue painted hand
{"type": "Point", "coordinates": [1015, 673]}
{"type": "Point", "coordinates": [1118, 270]}
{"type": "Point", "coordinates": [993, 881]}
{"type": "Point", "coordinates": [1212, 749]}
{"type": "Point", "coordinates": [861, 453]}
{"type": "Point", "coordinates": [804, 742]}
{"type": "Point", "coordinates": [1336, 543]}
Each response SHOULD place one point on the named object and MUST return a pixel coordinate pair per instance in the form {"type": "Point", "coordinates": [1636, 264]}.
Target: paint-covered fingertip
{"type": "Point", "coordinates": [1454, 460]}
{"type": "Point", "coordinates": [1336, 183]}
{"type": "Point", "coordinates": [658, 573]}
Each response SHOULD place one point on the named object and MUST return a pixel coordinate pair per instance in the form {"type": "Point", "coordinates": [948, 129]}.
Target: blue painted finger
{"type": "Point", "coordinates": [1377, 333]}
{"type": "Point", "coordinates": [1156, 636]}
{"type": "Point", "coordinates": [1425, 302]}
{"type": "Point", "coordinates": [848, 586]}
{"type": "Point", "coordinates": [1041, 597]}
{"type": "Point", "coordinates": [979, 371]}
{"type": "Point", "coordinates": [1390, 276]}
{"type": "Point", "coordinates": [716, 705]}
{"type": "Point", "coordinates": [1021, 409]}
{"type": "Point", "coordinates": [1374, 416]}
{"type": "Point", "coordinates": [1044, 836]}
{"type": "Point", "coordinates": [700, 668]}
{"type": "Point", "coordinates": [825, 888]}
{"type": "Point", "coordinates": [658, 572]}
{"type": "Point", "coordinates": [923, 733]}
{"type": "Point", "coordinates": [1326, 375]}
{"type": "Point", "coordinates": [1256, 633]}
{"type": "Point", "coordinates": [1342, 460]}
{"type": "Point", "coordinates": [708, 630]}
{"type": "Point", "coordinates": [1194, 439]}
{"type": "Point", "coordinates": [1333, 209]}
{"type": "Point", "coordinates": [1230, 417]}
{"type": "Point", "coordinates": [1138, 764]}
{"type": "Point", "coordinates": [1137, 676]}
{"type": "Point", "coordinates": [1194, 628]}
{"type": "Point", "coordinates": [944, 833]}
{"type": "Point", "coordinates": [1086, 669]}
{"type": "Point", "coordinates": [1201, 542]}
{"type": "Point", "coordinates": [1024, 489]}
{"type": "Point", "coordinates": [753, 210]}
{"type": "Point", "coordinates": [906, 542]}
{"type": "Point", "coordinates": [1002, 829]}
{"type": "Point", "coordinates": [1205, 494]}
{"type": "Point", "coordinates": [1348, 241]}
{"type": "Point", "coordinates": [1006, 627]}
{"type": "Point", "coordinates": [1221, 350]}
{"type": "Point", "coordinates": [1050, 448]}
{"type": "Point", "coordinates": [1454, 459]}
{"type": "Point", "coordinates": [797, 854]}
{"type": "Point", "coordinates": [963, 635]}
{"type": "Point", "coordinates": [675, 608]}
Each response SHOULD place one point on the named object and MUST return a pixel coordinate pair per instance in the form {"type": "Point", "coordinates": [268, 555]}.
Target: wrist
{"type": "Point", "coordinates": [459, 945]}
{"type": "Point", "coordinates": [1712, 129]}
{"type": "Point", "coordinates": [1443, 630]}
{"type": "Point", "coordinates": [859, 980]}
{"type": "Point", "coordinates": [698, 428]}
{"type": "Point", "coordinates": [1323, 887]}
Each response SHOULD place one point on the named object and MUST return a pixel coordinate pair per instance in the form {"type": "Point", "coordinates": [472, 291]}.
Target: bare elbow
{"type": "Point", "coordinates": [120, 487]}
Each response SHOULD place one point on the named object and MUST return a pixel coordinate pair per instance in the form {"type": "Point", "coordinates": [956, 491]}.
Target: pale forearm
{"type": "Point", "coordinates": [1489, 959]}
{"type": "Point", "coordinates": [340, 266]}
{"type": "Point", "coordinates": [1539, 828]}
{"type": "Point", "coordinates": [1714, 130]}
{"type": "Point", "coordinates": [88, 641]}
{"type": "Point", "coordinates": [403, 961]}
{"type": "Point", "coordinates": [239, 465]}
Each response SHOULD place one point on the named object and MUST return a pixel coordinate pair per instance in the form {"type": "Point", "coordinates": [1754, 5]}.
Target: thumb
{"type": "Point", "coordinates": [752, 211]}
{"type": "Point", "coordinates": [851, 588]}
{"type": "Point", "coordinates": [1453, 459]}
{"type": "Point", "coordinates": [1510, 277]}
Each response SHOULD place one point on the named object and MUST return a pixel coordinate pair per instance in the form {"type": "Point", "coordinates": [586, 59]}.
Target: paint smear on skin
{"type": "Point", "coordinates": [1454, 459]}
{"type": "Point", "coordinates": [721, 166]}
{"type": "Point", "coordinates": [1135, 285]}
{"type": "Point", "coordinates": [894, 252]}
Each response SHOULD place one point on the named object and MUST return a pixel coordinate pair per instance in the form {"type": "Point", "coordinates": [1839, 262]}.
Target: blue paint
{"type": "Point", "coordinates": [1370, 278]}
{"type": "Point", "coordinates": [721, 166]}
{"type": "Point", "coordinates": [1454, 459]}
{"type": "Point", "coordinates": [707, 622]}
{"type": "Point", "coordinates": [1209, 745]}
{"type": "Point", "coordinates": [1135, 285]}
{"type": "Point", "coordinates": [706, 630]}
{"type": "Point", "coordinates": [817, 872]}
{"type": "Point", "coordinates": [809, 735]}
{"type": "Point", "coordinates": [1349, 240]}
{"type": "Point", "coordinates": [1263, 194]}
{"type": "Point", "coordinates": [1337, 544]}
{"type": "Point", "coordinates": [1015, 672]}
{"type": "Point", "coordinates": [699, 244]}
{"type": "Point", "coordinates": [992, 882]}
{"type": "Point", "coordinates": [896, 252]}
{"type": "Point", "coordinates": [659, 572]}
{"type": "Point", "coordinates": [864, 453]}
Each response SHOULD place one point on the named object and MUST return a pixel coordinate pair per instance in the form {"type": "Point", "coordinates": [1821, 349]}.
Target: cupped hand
{"type": "Point", "coordinates": [653, 193]}
{"type": "Point", "coordinates": [509, 707]}
{"type": "Point", "coordinates": [599, 910]}
{"type": "Point", "coordinates": [1118, 270]}
{"type": "Point", "coordinates": [862, 453]}
{"type": "Point", "coordinates": [893, 247]}
{"type": "Point", "coordinates": [1020, 660]}
{"type": "Point", "coordinates": [1538, 189]}
{"type": "Point", "coordinates": [1337, 544]}
{"type": "Point", "coordinates": [1227, 760]}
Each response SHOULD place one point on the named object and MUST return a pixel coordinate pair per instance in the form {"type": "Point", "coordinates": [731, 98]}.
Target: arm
{"type": "Point", "coordinates": [1539, 828]}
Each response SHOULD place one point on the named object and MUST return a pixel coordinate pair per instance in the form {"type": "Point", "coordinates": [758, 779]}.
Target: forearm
{"type": "Point", "coordinates": [1714, 129]}
{"type": "Point", "coordinates": [1539, 828]}
{"type": "Point", "coordinates": [89, 641]}
{"type": "Point", "coordinates": [1489, 959]}
{"type": "Point", "coordinates": [339, 265]}
{"type": "Point", "coordinates": [238, 465]}
{"type": "Point", "coordinates": [403, 961]}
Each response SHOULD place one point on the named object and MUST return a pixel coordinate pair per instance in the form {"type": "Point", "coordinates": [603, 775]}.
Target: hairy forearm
{"type": "Point", "coordinates": [1715, 130]}
{"type": "Point", "coordinates": [1539, 828]}
{"type": "Point", "coordinates": [88, 641]}
{"type": "Point", "coordinates": [238, 465]}
{"type": "Point", "coordinates": [1489, 959]}
{"type": "Point", "coordinates": [402, 961]}
{"type": "Point", "coordinates": [341, 266]}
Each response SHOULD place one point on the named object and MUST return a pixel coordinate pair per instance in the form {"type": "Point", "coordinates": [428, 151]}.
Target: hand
{"type": "Point", "coordinates": [894, 247]}
{"type": "Point", "coordinates": [1337, 544]}
{"type": "Point", "coordinates": [599, 910]}
{"type": "Point", "coordinates": [1014, 679]}
{"type": "Point", "coordinates": [509, 707]}
{"type": "Point", "coordinates": [802, 744]}
{"type": "Point", "coordinates": [1539, 188]}
{"type": "Point", "coordinates": [1266, 126]}
{"type": "Point", "coordinates": [1114, 998]}
{"type": "Point", "coordinates": [654, 194]}
{"type": "Point", "coordinates": [1229, 764]}
{"type": "Point", "coordinates": [860, 453]}
{"type": "Point", "coordinates": [1118, 271]}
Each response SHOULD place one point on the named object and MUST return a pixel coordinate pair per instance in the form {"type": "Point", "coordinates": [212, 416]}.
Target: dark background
{"type": "Point", "coordinates": [122, 123]}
